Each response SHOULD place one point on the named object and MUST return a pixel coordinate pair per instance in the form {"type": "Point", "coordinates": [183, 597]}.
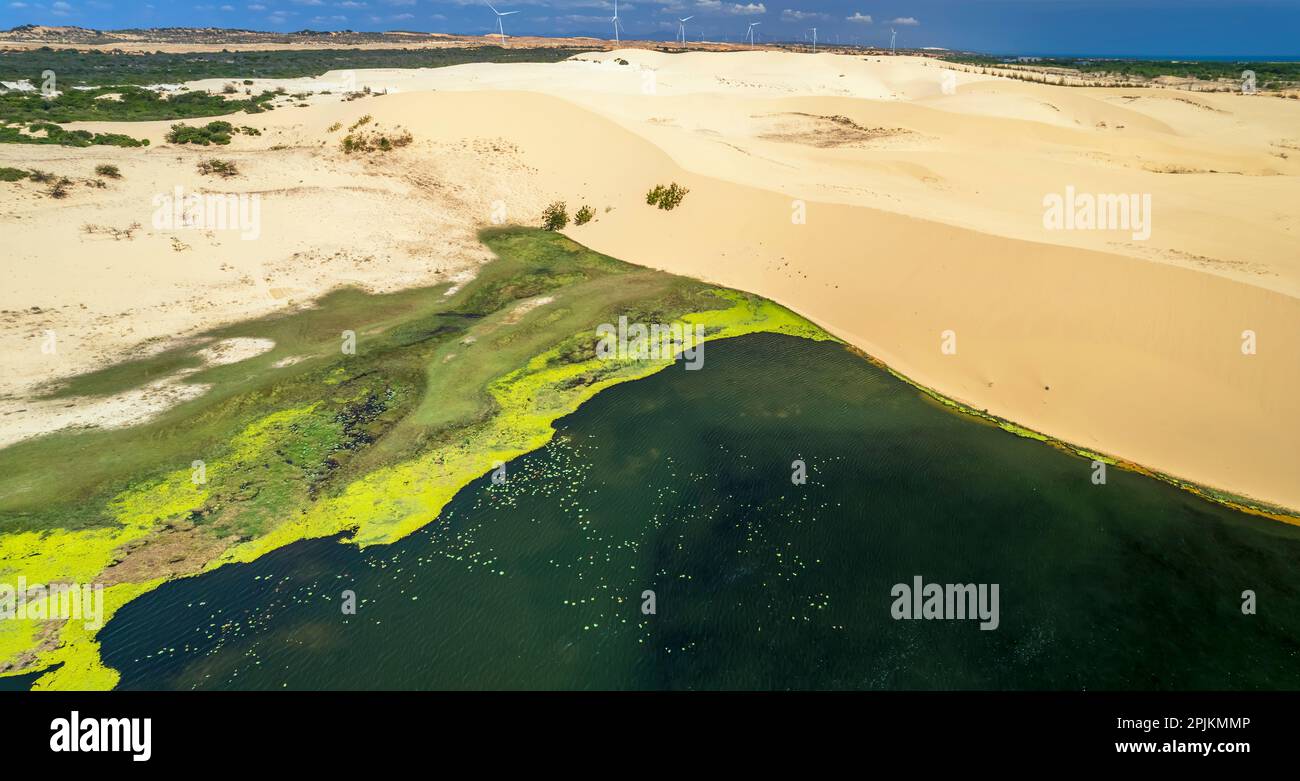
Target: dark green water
{"type": "Point", "coordinates": [680, 483]}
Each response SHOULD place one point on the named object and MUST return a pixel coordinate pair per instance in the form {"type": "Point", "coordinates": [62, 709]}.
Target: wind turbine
{"type": "Point", "coordinates": [891, 40]}
{"type": "Point", "coordinates": [500, 28]}
{"type": "Point", "coordinates": [681, 27]}
{"type": "Point", "coordinates": [814, 32]}
{"type": "Point", "coordinates": [617, 23]}
{"type": "Point", "coordinates": [750, 33]}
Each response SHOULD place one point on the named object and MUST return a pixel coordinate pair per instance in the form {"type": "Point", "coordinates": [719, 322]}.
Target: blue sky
{"type": "Point", "coordinates": [1100, 27]}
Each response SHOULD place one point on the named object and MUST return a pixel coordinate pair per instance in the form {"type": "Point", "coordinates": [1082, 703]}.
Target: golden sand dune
{"type": "Point", "coordinates": [924, 203]}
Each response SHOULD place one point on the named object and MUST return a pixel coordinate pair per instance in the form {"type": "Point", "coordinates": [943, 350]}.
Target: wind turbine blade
{"type": "Point", "coordinates": [507, 13]}
{"type": "Point", "coordinates": [687, 19]}
{"type": "Point", "coordinates": [489, 5]}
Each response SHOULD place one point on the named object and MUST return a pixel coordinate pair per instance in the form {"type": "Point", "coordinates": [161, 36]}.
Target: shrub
{"type": "Point", "coordinates": [41, 177]}
{"type": "Point", "coordinates": [60, 188]}
{"type": "Point", "coordinates": [334, 127]}
{"type": "Point", "coordinates": [555, 216]}
{"type": "Point", "coordinates": [110, 171]}
{"type": "Point", "coordinates": [365, 120]}
{"type": "Point", "coordinates": [50, 133]}
{"type": "Point", "coordinates": [229, 89]}
{"type": "Point", "coordinates": [666, 198]}
{"type": "Point", "coordinates": [212, 133]}
{"type": "Point", "coordinates": [12, 174]}
{"type": "Point", "coordinates": [223, 168]}
{"type": "Point", "coordinates": [583, 215]}
{"type": "Point", "coordinates": [375, 141]}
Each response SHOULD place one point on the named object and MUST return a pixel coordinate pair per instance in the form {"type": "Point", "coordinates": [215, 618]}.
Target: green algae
{"type": "Point", "coordinates": [371, 447]}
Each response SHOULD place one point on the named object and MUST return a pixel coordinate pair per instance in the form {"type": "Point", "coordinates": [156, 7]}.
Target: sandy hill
{"type": "Point", "coordinates": [922, 195]}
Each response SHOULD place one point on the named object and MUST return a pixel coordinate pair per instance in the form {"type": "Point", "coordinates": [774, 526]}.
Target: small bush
{"type": "Point", "coordinates": [223, 168]}
{"type": "Point", "coordinates": [555, 216]}
{"type": "Point", "coordinates": [12, 174]}
{"type": "Point", "coordinates": [365, 120]}
{"type": "Point", "coordinates": [583, 215]}
{"type": "Point", "coordinates": [334, 128]}
{"type": "Point", "coordinates": [60, 188]}
{"type": "Point", "coordinates": [212, 133]}
{"type": "Point", "coordinates": [229, 89]}
{"type": "Point", "coordinates": [109, 171]}
{"type": "Point", "coordinates": [375, 141]}
{"type": "Point", "coordinates": [666, 198]}
{"type": "Point", "coordinates": [41, 177]}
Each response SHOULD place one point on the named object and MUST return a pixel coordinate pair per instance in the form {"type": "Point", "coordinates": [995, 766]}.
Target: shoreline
{"type": "Point", "coordinates": [376, 504]}
{"type": "Point", "coordinates": [1244, 504]}
{"type": "Point", "coordinates": [83, 668]}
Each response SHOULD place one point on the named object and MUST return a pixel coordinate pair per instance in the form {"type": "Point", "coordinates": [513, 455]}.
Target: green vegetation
{"type": "Point", "coordinates": [666, 198]}
{"type": "Point", "coordinates": [12, 174]}
{"type": "Point", "coordinates": [374, 140]}
{"type": "Point", "coordinates": [99, 68]}
{"type": "Point", "coordinates": [222, 168]}
{"type": "Point", "coordinates": [217, 132]}
{"type": "Point", "coordinates": [116, 94]}
{"type": "Point", "coordinates": [583, 215]}
{"type": "Point", "coordinates": [46, 133]}
{"type": "Point", "coordinates": [555, 216]}
{"type": "Point", "coordinates": [122, 104]}
{"type": "Point", "coordinates": [371, 442]}
{"type": "Point", "coordinates": [109, 171]}
{"type": "Point", "coordinates": [1268, 75]}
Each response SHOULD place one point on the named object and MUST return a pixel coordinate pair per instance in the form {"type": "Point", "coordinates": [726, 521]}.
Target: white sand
{"type": "Point", "coordinates": [924, 214]}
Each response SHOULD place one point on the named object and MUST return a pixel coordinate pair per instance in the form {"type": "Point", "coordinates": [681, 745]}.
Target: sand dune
{"type": "Point", "coordinates": [924, 215]}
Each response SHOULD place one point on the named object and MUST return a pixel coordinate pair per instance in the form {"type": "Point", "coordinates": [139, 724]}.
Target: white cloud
{"type": "Point", "coordinates": [859, 18]}
{"type": "Point", "coordinates": [905, 21]}
{"type": "Point", "coordinates": [735, 9]}
{"type": "Point", "coordinates": [791, 15]}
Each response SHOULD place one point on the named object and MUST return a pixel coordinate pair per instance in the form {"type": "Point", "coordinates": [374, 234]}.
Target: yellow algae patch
{"type": "Point", "coordinates": [81, 556]}
{"type": "Point", "coordinates": [390, 503]}
{"type": "Point", "coordinates": [379, 508]}
{"type": "Point", "coordinates": [80, 666]}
